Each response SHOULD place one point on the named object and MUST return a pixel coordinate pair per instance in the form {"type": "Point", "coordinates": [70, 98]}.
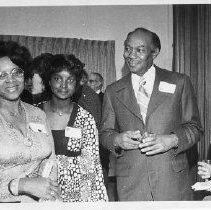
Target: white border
{"type": "Point", "coordinates": [96, 2]}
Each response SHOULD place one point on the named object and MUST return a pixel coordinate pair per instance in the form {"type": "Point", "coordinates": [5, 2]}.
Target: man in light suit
{"type": "Point", "coordinates": [150, 167]}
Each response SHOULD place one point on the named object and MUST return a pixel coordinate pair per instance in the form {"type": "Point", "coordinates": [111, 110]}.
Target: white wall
{"type": "Point", "coordinates": [111, 22]}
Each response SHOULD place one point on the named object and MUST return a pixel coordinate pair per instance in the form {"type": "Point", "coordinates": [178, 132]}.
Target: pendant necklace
{"type": "Point", "coordinates": [58, 112]}
{"type": "Point", "coordinates": [13, 114]}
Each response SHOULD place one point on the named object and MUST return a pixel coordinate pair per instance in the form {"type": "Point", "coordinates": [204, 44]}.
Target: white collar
{"type": "Point", "coordinates": [149, 77]}
{"type": "Point", "coordinates": [149, 74]}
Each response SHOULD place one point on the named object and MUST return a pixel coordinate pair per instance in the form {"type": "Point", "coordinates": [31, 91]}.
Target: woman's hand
{"type": "Point", "coordinates": [40, 187]}
{"type": "Point", "coordinates": [204, 170]}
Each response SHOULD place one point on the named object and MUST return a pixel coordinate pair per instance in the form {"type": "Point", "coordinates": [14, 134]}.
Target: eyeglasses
{"type": "Point", "coordinates": [92, 81]}
{"type": "Point", "coordinates": [15, 73]}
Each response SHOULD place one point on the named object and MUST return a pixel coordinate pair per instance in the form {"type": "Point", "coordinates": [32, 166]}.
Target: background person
{"type": "Point", "coordinates": [35, 90]}
{"type": "Point", "coordinates": [95, 82]}
{"type": "Point", "coordinates": [26, 143]}
{"type": "Point", "coordinates": [84, 96]}
{"type": "Point", "coordinates": [84, 75]}
{"type": "Point", "coordinates": [75, 136]}
{"type": "Point", "coordinates": [150, 100]}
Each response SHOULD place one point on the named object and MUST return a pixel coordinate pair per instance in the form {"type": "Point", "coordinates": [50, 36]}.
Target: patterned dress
{"type": "Point", "coordinates": [80, 172]}
{"type": "Point", "coordinates": [24, 156]}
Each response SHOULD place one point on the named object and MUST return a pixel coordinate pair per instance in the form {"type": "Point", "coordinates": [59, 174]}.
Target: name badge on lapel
{"type": "Point", "coordinates": [167, 87]}
{"type": "Point", "coordinates": [73, 132]}
{"type": "Point", "coordinates": [37, 127]}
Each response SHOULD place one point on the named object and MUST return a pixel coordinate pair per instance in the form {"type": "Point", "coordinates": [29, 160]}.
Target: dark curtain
{"type": "Point", "coordinates": [98, 56]}
{"type": "Point", "coordinates": [192, 56]}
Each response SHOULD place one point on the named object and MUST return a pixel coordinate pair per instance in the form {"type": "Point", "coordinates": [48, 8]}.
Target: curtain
{"type": "Point", "coordinates": [192, 56]}
{"type": "Point", "coordinates": [98, 56]}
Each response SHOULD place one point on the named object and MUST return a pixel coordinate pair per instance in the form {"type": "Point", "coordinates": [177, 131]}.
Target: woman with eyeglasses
{"type": "Point", "coordinates": [75, 136]}
{"type": "Point", "coordinates": [28, 170]}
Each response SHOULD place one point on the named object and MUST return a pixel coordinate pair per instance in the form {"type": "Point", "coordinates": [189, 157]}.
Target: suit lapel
{"type": "Point", "coordinates": [157, 97]}
{"type": "Point", "coordinates": [126, 95]}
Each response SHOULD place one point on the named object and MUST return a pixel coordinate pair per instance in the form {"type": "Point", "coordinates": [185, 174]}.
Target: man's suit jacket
{"type": "Point", "coordinates": [104, 153]}
{"type": "Point", "coordinates": [163, 176]}
{"type": "Point", "coordinates": [89, 100]}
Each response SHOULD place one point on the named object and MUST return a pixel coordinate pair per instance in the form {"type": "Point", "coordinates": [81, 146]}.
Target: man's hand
{"type": "Point", "coordinates": [128, 140]}
{"type": "Point", "coordinates": [155, 144]}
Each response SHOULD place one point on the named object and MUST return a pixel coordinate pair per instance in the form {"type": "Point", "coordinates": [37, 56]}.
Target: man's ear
{"type": "Point", "coordinates": [155, 52]}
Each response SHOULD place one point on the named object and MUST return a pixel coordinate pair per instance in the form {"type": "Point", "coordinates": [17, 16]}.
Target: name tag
{"type": "Point", "coordinates": [167, 87]}
{"type": "Point", "coordinates": [73, 132]}
{"type": "Point", "coordinates": [38, 127]}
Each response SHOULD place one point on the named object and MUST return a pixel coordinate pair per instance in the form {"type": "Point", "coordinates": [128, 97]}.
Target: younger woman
{"type": "Point", "coordinates": [75, 136]}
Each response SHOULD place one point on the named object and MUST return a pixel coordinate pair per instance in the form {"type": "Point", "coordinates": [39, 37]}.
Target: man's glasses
{"type": "Point", "coordinates": [15, 74]}
{"type": "Point", "coordinates": [92, 81]}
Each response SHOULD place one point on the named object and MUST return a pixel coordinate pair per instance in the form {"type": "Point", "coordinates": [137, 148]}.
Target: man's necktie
{"type": "Point", "coordinates": [143, 98]}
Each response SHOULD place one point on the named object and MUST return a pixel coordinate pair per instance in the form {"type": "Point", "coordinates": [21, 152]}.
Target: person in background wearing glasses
{"type": "Point", "coordinates": [96, 83]}
{"type": "Point", "coordinates": [150, 122]}
{"type": "Point", "coordinates": [26, 143]}
{"type": "Point", "coordinates": [75, 135]}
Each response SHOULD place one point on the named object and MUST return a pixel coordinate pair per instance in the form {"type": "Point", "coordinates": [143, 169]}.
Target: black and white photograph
{"type": "Point", "coordinates": [105, 105]}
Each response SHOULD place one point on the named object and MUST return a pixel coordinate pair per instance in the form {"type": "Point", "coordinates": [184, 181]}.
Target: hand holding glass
{"type": "Point", "coordinates": [147, 136]}
{"type": "Point", "coordinates": [204, 169]}
{"type": "Point", "coordinates": [147, 144]}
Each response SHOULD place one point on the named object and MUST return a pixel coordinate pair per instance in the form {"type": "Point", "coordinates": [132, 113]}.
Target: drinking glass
{"type": "Point", "coordinates": [145, 135]}
{"type": "Point", "coordinates": [149, 135]}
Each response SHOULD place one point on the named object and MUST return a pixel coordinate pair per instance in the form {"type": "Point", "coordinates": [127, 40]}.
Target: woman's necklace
{"type": "Point", "coordinates": [59, 112]}
{"type": "Point", "coordinates": [14, 114]}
